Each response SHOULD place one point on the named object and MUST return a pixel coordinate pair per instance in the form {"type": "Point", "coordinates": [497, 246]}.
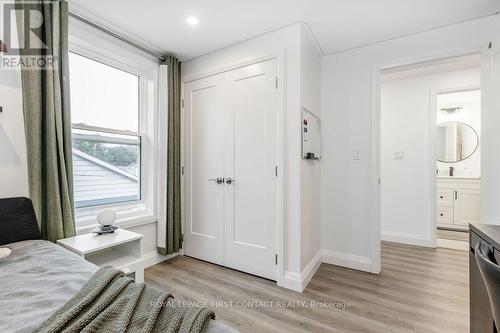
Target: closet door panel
{"type": "Point", "coordinates": [251, 155]}
{"type": "Point", "coordinates": [204, 137]}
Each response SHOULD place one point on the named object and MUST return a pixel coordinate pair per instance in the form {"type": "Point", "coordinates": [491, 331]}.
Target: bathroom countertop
{"type": "Point", "coordinates": [459, 177]}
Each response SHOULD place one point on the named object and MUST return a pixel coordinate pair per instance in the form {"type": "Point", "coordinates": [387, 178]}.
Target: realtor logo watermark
{"type": "Point", "coordinates": [23, 40]}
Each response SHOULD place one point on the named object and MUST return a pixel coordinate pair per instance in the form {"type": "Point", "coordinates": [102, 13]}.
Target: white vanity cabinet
{"type": "Point", "coordinates": [458, 202]}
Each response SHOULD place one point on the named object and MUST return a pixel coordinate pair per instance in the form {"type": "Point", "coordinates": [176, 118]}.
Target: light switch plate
{"type": "Point", "coordinates": [399, 155]}
{"type": "Point", "coordinates": [355, 154]}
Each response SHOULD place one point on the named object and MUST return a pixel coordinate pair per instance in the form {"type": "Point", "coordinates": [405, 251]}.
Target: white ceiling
{"type": "Point", "coordinates": [337, 24]}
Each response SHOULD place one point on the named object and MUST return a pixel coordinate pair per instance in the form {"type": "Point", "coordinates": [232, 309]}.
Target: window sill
{"type": "Point", "coordinates": [83, 227]}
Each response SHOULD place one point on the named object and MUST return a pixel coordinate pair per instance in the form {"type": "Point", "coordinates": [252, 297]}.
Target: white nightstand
{"type": "Point", "coordinates": [121, 250]}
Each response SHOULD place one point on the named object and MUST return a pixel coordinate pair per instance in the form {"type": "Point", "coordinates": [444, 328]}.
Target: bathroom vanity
{"type": "Point", "coordinates": [458, 202]}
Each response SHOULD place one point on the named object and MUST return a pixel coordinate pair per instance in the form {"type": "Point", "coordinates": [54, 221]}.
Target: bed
{"type": "Point", "coordinates": [38, 278]}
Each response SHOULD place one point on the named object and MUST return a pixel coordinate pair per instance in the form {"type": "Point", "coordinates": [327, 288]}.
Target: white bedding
{"type": "Point", "coordinates": [38, 278]}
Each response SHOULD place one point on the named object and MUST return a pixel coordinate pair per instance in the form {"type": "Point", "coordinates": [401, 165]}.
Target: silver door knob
{"type": "Point", "coordinates": [217, 180]}
{"type": "Point", "coordinates": [229, 181]}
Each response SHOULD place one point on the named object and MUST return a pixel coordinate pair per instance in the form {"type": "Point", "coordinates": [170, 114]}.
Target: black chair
{"type": "Point", "coordinates": [490, 270]}
{"type": "Point", "coordinates": [17, 221]}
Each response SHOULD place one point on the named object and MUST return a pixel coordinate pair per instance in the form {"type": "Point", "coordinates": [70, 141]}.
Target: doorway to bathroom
{"type": "Point", "coordinates": [430, 154]}
{"type": "Point", "coordinates": [458, 164]}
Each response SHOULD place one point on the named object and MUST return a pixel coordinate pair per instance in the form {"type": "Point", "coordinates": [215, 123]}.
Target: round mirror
{"type": "Point", "coordinates": [456, 141]}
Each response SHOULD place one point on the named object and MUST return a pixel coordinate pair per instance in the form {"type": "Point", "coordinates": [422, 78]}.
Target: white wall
{"type": "Point", "coordinates": [348, 204]}
{"type": "Point", "coordinates": [13, 166]}
{"type": "Point", "coordinates": [302, 62]}
{"type": "Point", "coordinates": [470, 114]}
{"type": "Point", "coordinates": [302, 81]}
{"type": "Point", "coordinates": [288, 41]}
{"type": "Point", "coordinates": [88, 41]}
{"type": "Point", "coordinates": [406, 117]}
{"type": "Point", "coordinates": [310, 86]}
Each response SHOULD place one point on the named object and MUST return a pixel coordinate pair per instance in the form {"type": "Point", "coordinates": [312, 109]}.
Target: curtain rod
{"type": "Point", "coordinates": [117, 35]}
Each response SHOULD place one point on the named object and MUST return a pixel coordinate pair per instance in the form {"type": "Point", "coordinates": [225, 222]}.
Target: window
{"type": "Point", "coordinates": [107, 142]}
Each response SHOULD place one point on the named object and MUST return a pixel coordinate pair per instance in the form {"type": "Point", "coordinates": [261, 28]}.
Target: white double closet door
{"type": "Point", "coordinates": [231, 180]}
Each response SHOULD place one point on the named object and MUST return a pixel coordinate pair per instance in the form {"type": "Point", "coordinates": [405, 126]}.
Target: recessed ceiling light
{"type": "Point", "coordinates": [192, 20]}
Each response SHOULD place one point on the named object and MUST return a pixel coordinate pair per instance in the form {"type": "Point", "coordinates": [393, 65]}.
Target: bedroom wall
{"type": "Point", "coordinates": [13, 166]}
{"type": "Point", "coordinates": [310, 184]}
{"type": "Point", "coordinates": [287, 39]}
{"type": "Point", "coordinates": [406, 211]}
{"type": "Point", "coordinates": [347, 97]}
{"type": "Point", "coordinates": [302, 86]}
{"type": "Point", "coordinates": [85, 38]}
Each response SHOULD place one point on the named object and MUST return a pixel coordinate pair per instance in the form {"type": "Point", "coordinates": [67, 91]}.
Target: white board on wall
{"type": "Point", "coordinates": [311, 135]}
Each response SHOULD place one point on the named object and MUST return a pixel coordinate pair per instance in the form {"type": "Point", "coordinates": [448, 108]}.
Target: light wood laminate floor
{"type": "Point", "coordinates": [419, 290]}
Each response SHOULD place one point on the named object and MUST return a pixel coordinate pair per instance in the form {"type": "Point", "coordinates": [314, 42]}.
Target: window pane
{"type": "Point", "coordinates": [106, 168]}
{"type": "Point", "coordinates": [102, 95]}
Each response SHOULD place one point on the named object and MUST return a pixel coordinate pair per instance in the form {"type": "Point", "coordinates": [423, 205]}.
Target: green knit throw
{"type": "Point", "coordinates": [112, 302]}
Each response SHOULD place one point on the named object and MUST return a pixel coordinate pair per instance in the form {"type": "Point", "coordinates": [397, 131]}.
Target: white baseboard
{"type": "Point", "coordinates": [347, 260]}
{"type": "Point", "coordinates": [152, 258]}
{"type": "Point", "coordinates": [311, 268]}
{"type": "Point", "coordinates": [292, 281]}
{"type": "Point", "coordinates": [406, 238]}
{"type": "Point", "coordinates": [299, 282]}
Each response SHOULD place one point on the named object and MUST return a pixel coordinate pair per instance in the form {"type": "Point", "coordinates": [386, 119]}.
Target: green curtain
{"type": "Point", "coordinates": [47, 120]}
{"type": "Point", "coordinates": [172, 228]}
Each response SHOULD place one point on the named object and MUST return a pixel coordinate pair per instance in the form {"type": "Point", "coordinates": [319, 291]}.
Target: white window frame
{"type": "Point", "coordinates": [142, 137]}
{"type": "Point", "coordinates": [96, 45]}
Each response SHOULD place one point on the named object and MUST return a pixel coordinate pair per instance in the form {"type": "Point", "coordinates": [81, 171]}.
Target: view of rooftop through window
{"type": "Point", "coordinates": [106, 139]}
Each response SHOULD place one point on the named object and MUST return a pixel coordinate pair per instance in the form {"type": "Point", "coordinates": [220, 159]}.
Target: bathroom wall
{"type": "Point", "coordinates": [470, 114]}
{"type": "Point", "coordinates": [406, 148]}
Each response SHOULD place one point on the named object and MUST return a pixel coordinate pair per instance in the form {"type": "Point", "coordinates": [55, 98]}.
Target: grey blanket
{"type": "Point", "coordinates": [112, 302]}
